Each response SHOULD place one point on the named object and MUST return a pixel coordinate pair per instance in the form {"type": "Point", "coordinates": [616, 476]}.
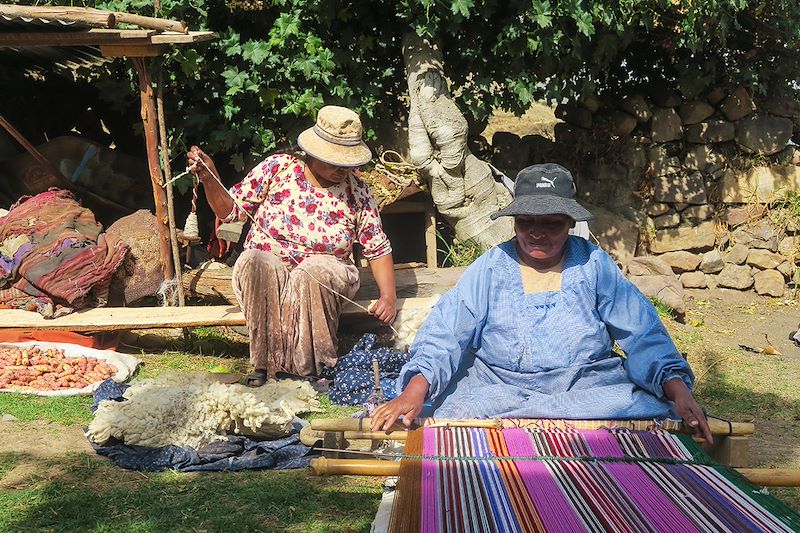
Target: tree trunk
{"type": "Point", "coordinates": [461, 185]}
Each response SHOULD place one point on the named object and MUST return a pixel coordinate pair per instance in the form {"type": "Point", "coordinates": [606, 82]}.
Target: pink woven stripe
{"type": "Point", "coordinates": [552, 506]}
{"type": "Point", "coordinates": [429, 514]}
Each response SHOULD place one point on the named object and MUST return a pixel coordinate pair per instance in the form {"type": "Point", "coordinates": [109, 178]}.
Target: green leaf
{"type": "Point", "coordinates": [461, 7]}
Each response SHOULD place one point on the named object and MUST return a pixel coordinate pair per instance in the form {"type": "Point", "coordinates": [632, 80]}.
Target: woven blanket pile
{"type": "Point", "coordinates": [54, 256]}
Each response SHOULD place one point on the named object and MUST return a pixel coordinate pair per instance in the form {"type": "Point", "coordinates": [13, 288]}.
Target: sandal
{"type": "Point", "coordinates": [256, 379]}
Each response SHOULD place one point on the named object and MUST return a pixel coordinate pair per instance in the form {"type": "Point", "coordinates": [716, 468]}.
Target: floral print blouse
{"type": "Point", "coordinates": [296, 219]}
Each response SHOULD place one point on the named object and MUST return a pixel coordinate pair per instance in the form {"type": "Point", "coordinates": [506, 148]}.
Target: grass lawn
{"type": "Point", "coordinates": [82, 492]}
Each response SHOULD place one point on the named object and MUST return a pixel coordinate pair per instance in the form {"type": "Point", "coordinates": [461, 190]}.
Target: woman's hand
{"type": "Point", "coordinates": [408, 405]}
{"type": "Point", "coordinates": [193, 157]}
{"type": "Point", "coordinates": [384, 309]}
{"type": "Point", "coordinates": [677, 391]}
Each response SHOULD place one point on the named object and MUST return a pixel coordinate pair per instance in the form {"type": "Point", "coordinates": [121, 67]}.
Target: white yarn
{"type": "Point", "coordinates": [190, 228]}
{"type": "Point", "coordinates": [168, 293]}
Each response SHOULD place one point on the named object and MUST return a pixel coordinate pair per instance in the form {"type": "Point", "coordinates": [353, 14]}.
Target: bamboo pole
{"type": "Point", "coordinates": [149, 121]}
{"type": "Point", "coordinates": [89, 15]}
{"type": "Point", "coordinates": [717, 426]}
{"type": "Point", "coordinates": [323, 466]}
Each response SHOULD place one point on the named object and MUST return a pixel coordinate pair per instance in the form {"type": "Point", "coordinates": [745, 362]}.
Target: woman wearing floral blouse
{"type": "Point", "coordinates": [307, 215]}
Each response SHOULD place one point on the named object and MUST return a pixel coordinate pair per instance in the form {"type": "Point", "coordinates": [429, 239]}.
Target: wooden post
{"type": "Point", "coordinates": [173, 238]}
{"type": "Point", "coordinates": [149, 121]}
{"type": "Point", "coordinates": [430, 233]}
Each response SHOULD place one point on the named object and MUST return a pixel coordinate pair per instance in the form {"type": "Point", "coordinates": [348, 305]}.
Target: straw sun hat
{"type": "Point", "coordinates": [336, 138]}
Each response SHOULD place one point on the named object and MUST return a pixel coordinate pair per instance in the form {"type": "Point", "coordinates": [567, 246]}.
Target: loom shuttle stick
{"type": "Point", "coordinates": [322, 466]}
{"type": "Point", "coordinates": [717, 426]}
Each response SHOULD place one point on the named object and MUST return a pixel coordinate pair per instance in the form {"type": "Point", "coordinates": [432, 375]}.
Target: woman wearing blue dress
{"type": "Point", "coordinates": [529, 330]}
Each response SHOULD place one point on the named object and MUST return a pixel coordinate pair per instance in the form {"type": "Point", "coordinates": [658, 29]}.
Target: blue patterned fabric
{"type": "Point", "coordinates": [488, 349]}
{"type": "Point", "coordinates": [353, 380]}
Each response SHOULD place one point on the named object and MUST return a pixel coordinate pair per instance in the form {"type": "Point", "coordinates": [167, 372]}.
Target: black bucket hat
{"type": "Point", "coordinates": [546, 189]}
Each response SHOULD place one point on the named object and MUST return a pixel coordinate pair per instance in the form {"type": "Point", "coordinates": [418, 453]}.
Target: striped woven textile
{"type": "Point", "coordinates": [462, 479]}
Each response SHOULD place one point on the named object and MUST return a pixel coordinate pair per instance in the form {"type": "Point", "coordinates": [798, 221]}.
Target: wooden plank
{"type": "Point", "coordinates": [411, 282]}
{"type": "Point", "coordinates": [113, 318]}
{"type": "Point", "coordinates": [131, 50]}
{"type": "Point", "coordinates": [191, 37]}
{"type": "Point", "coordinates": [98, 37]}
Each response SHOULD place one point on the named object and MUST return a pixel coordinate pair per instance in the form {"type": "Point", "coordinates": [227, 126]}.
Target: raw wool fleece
{"type": "Point", "coordinates": [194, 410]}
{"type": "Point", "coordinates": [409, 321]}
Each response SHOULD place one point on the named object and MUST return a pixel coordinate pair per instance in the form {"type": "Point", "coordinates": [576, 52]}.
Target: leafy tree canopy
{"type": "Point", "coordinates": [276, 62]}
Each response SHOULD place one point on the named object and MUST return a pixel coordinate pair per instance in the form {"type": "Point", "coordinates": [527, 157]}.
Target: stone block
{"type": "Point", "coordinates": [770, 283]}
{"type": "Point", "coordinates": [779, 103]}
{"type": "Point", "coordinates": [685, 188]}
{"type": "Point", "coordinates": [739, 215]}
{"type": "Point", "coordinates": [758, 184]}
{"type": "Point", "coordinates": [700, 237]}
{"type": "Point", "coordinates": [737, 254]}
{"type": "Point", "coordinates": [622, 123]}
{"type": "Point", "coordinates": [702, 157]}
{"type": "Point", "coordinates": [788, 246]}
{"type": "Point", "coordinates": [638, 107]}
{"type": "Point", "coordinates": [694, 112]}
{"type": "Point", "coordinates": [681, 261]}
{"type": "Point", "coordinates": [737, 105]}
{"type": "Point", "coordinates": [693, 280]}
{"type": "Point", "coordinates": [735, 277]}
{"type": "Point", "coordinates": [574, 114]}
{"type": "Point", "coordinates": [715, 96]}
{"type": "Point", "coordinates": [665, 125]}
{"type": "Point", "coordinates": [764, 259]}
{"type": "Point", "coordinates": [763, 134]}
{"type": "Point", "coordinates": [697, 213]}
{"type": "Point", "coordinates": [710, 131]}
{"type": "Point", "coordinates": [712, 262]}
{"type": "Point", "coordinates": [788, 269]}
{"type": "Point", "coordinates": [662, 164]}
{"type": "Point", "coordinates": [669, 220]}
{"type": "Point", "coordinates": [649, 265]}
{"type": "Point", "coordinates": [760, 234]}
{"type": "Point", "coordinates": [658, 209]}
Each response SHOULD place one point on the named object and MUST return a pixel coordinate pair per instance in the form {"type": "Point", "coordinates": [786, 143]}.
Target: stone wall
{"type": "Point", "coordinates": [702, 186]}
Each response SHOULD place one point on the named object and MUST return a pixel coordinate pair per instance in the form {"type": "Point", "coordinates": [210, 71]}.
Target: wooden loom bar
{"type": "Point", "coordinates": [718, 427]}
{"type": "Point", "coordinates": [323, 466]}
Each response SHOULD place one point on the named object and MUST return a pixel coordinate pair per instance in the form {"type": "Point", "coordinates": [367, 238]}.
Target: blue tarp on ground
{"type": "Point", "coordinates": [236, 453]}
